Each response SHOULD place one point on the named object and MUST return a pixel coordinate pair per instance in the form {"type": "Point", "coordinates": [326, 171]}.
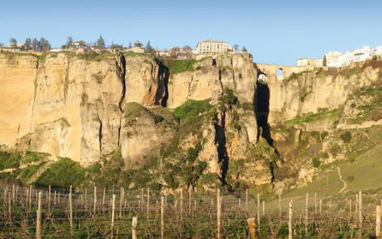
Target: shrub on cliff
{"type": "Point", "coordinates": [179, 66]}
{"type": "Point", "coordinates": [10, 159]}
{"type": "Point", "coordinates": [346, 137]}
{"type": "Point", "coordinates": [62, 174]}
{"type": "Point", "coordinates": [316, 162]}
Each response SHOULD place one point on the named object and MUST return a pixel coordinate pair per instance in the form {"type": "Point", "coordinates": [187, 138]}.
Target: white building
{"type": "Point", "coordinates": [213, 47]}
{"type": "Point", "coordinates": [304, 62]}
{"type": "Point", "coordinates": [337, 59]}
{"type": "Point", "coordinates": [162, 53]}
{"type": "Point", "coordinates": [376, 51]}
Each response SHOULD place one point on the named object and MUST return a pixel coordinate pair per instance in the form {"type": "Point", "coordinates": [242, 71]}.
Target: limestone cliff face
{"type": "Point", "coordinates": [17, 79]}
{"type": "Point", "coordinates": [144, 134]}
{"type": "Point", "coordinates": [213, 119]}
{"type": "Point", "coordinates": [316, 90]}
{"type": "Point", "coordinates": [315, 112]}
{"type": "Point", "coordinates": [70, 106]}
{"type": "Point", "coordinates": [75, 106]}
{"type": "Point", "coordinates": [210, 76]}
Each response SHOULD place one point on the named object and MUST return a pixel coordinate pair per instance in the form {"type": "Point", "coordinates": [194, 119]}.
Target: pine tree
{"type": "Point", "coordinates": [100, 44]}
{"type": "Point", "coordinates": [34, 44]}
{"type": "Point", "coordinates": [148, 45]}
{"type": "Point", "coordinates": [325, 61]}
{"type": "Point", "coordinates": [149, 48]}
{"type": "Point", "coordinates": [45, 45]}
{"type": "Point", "coordinates": [244, 49]}
{"type": "Point", "coordinates": [138, 44]}
{"type": "Point", "coordinates": [13, 43]}
{"type": "Point", "coordinates": [69, 42]}
{"type": "Point", "coordinates": [28, 44]}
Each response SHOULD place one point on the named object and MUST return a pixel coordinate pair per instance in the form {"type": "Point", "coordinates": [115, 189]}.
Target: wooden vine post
{"type": "Point", "coordinates": [134, 233]}
{"type": "Point", "coordinates": [30, 197]}
{"type": "Point", "coordinates": [258, 210]}
{"type": "Point", "coordinates": [148, 204]}
{"type": "Point", "coordinates": [378, 222]}
{"type": "Point", "coordinates": [246, 200]}
{"type": "Point", "coordinates": [181, 205]}
{"type": "Point", "coordinates": [290, 225]}
{"type": "Point", "coordinates": [38, 217]}
{"type": "Point", "coordinates": [218, 202]}
{"type": "Point", "coordinates": [112, 216]}
{"type": "Point", "coordinates": [252, 228]}
{"type": "Point", "coordinates": [280, 207]}
{"type": "Point", "coordinates": [162, 218]}
{"type": "Point", "coordinates": [95, 200]}
{"type": "Point", "coordinates": [71, 211]}
{"type": "Point", "coordinates": [306, 212]}
{"type": "Point", "coordinates": [360, 208]}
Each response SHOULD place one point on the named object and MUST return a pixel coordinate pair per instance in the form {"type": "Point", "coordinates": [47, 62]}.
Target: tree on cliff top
{"type": "Point", "coordinates": [138, 44]}
{"type": "Point", "coordinates": [45, 45]}
{"type": "Point", "coordinates": [13, 43]}
{"type": "Point", "coordinates": [149, 48]}
{"type": "Point", "coordinates": [69, 42]}
{"type": "Point", "coordinates": [325, 61]}
{"type": "Point", "coordinates": [100, 43]}
{"type": "Point", "coordinates": [116, 46]}
{"type": "Point", "coordinates": [28, 44]}
{"type": "Point", "coordinates": [35, 44]}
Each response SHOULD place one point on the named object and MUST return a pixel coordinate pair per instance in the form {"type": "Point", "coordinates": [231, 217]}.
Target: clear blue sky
{"type": "Point", "coordinates": [274, 31]}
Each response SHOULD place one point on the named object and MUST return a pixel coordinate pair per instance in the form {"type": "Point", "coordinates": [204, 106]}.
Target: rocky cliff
{"type": "Point", "coordinates": [136, 120]}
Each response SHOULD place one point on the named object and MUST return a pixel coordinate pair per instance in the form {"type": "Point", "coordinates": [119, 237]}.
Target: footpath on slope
{"type": "Point", "coordinates": [342, 180]}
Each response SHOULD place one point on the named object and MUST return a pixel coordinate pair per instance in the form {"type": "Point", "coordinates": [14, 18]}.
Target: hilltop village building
{"type": "Point", "coordinates": [212, 47]}
{"type": "Point", "coordinates": [338, 59]}
{"type": "Point", "coordinates": [310, 62]}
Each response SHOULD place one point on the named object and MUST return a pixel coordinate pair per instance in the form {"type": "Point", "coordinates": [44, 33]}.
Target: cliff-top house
{"type": "Point", "coordinates": [212, 47]}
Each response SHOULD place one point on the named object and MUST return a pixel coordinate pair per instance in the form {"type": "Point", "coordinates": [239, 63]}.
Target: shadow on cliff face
{"type": "Point", "coordinates": [261, 108]}
{"type": "Point", "coordinates": [120, 64]}
{"type": "Point", "coordinates": [220, 139]}
{"type": "Point", "coordinates": [161, 96]}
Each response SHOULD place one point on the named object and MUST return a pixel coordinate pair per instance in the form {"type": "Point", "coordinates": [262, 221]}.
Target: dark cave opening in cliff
{"type": "Point", "coordinates": [163, 75]}
{"type": "Point", "coordinates": [261, 106]}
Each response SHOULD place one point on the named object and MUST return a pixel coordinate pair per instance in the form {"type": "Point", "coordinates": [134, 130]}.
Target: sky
{"type": "Point", "coordinates": [273, 31]}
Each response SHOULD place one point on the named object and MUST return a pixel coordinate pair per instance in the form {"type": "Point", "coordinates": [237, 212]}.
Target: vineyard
{"type": "Point", "coordinates": [27, 212]}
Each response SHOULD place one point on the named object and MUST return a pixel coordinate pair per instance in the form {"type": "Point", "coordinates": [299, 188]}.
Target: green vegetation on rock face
{"type": "Point", "coordinates": [228, 99]}
{"type": "Point", "coordinates": [63, 173]}
{"type": "Point", "coordinates": [179, 66]}
{"type": "Point", "coordinates": [191, 115]}
{"type": "Point", "coordinates": [10, 160]}
{"type": "Point", "coordinates": [13, 159]}
{"type": "Point", "coordinates": [189, 111]}
{"type": "Point", "coordinates": [348, 72]}
{"type": "Point", "coordinates": [368, 104]}
{"type": "Point", "coordinates": [367, 159]}
{"type": "Point", "coordinates": [30, 157]}
{"type": "Point", "coordinates": [28, 172]}
{"type": "Point", "coordinates": [160, 115]}
{"type": "Point", "coordinates": [314, 117]}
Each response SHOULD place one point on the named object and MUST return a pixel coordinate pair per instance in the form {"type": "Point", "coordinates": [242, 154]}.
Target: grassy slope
{"type": "Point", "coordinates": [361, 174]}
